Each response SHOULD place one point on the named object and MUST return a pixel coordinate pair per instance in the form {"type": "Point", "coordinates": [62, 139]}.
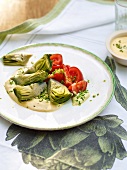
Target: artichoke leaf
{"type": "Point", "coordinates": [36, 161]}
{"type": "Point", "coordinates": [73, 137]}
{"type": "Point", "coordinates": [94, 126]}
{"type": "Point", "coordinates": [113, 121]}
{"type": "Point", "coordinates": [64, 159]}
{"type": "Point", "coordinates": [23, 140]}
{"type": "Point", "coordinates": [27, 79]}
{"type": "Point", "coordinates": [44, 64]}
{"type": "Point", "coordinates": [58, 93]}
{"type": "Point", "coordinates": [26, 157]}
{"type": "Point", "coordinates": [120, 149]}
{"type": "Point", "coordinates": [55, 138]}
{"type": "Point", "coordinates": [28, 92]}
{"type": "Point", "coordinates": [120, 132]}
{"type": "Point", "coordinates": [13, 131]}
{"type": "Point", "coordinates": [108, 160]}
{"type": "Point", "coordinates": [106, 143]}
{"type": "Point", "coordinates": [89, 155]}
{"type": "Point", "coordinates": [16, 59]}
{"type": "Point", "coordinates": [39, 136]}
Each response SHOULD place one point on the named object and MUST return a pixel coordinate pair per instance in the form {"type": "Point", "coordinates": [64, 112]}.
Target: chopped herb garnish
{"type": "Point", "coordinates": [118, 46]}
{"type": "Point", "coordinates": [94, 96]}
{"type": "Point", "coordinates": [44, 95]}
{"type": "Point", "coordinates": [121, 51]}
{"type": "Point", "coordinates": [11, 82]}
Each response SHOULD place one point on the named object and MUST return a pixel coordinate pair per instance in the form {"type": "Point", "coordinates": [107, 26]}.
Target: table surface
{"type": "Point", "coordinates": [98, 144]}
{"type": "Point", "coordinates": [19, 11]}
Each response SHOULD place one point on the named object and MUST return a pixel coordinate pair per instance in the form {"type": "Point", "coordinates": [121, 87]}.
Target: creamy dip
{"type": "Point", "coordinates": [34, 104]}
{"type": "Point", "coordinates": [119, 46]}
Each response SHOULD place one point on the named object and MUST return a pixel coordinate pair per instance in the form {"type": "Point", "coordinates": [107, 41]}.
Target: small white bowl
{"type": "Point", "coordinates": [119, 59]}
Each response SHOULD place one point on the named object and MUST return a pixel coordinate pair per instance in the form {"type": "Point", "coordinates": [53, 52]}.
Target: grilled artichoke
{"type": "Point", "coordinates": [58, 93]}
{"type": "Point", "coordinates": [25, 93]}
{"type": "Point", "coordinates": [16, 59]}
{"type": "Point", "coordinates": [26, 79]}
{"type": "Point", "coordinates": [42, 64]}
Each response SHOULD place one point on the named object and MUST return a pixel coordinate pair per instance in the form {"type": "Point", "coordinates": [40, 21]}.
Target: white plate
{"type": "Point", "coordinates": [93, 68]}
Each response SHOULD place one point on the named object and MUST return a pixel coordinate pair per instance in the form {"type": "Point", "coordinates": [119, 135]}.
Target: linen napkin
{"type": "Point", "coordinates": [68, 16]}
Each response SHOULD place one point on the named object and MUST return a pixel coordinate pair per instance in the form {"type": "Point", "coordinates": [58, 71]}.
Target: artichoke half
{"type": "Point", "coordinates": [16, 59]}
{"type": "Point", "coordinates": [44, 64]}
{"type": "Point", "coordinates": [58, 93]}
{"type": "Point", "coordinates": [26, 79]}
{"type": "Point", "coordinates": [28, 92]}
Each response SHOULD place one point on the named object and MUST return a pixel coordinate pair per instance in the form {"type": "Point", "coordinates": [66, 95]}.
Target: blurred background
{"type": "Point", "coordinates": [14, 12]}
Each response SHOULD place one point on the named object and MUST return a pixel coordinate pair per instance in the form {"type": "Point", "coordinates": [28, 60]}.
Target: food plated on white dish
{"type": "Point", "coordinates": [116, 44]}
{"type": "Point", "coordinates": [76, 102]}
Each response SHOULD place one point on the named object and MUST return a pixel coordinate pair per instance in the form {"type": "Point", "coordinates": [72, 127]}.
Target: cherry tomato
{"type": "Point", "coordinates": [78, 87]}
{"type": "Point", "coordinates": [57, 76]}
{"type": "Point", "coordinates": [75, 74]}
{"type": "Point", "coordinates": [54, 67]}
{"type": "Point", "coordinates": [67, 81]}
{"type": "Point", "coordinates": [57, 59]}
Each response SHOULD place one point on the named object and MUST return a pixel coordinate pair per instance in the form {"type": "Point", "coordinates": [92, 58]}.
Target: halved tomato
{"type": "Point", "coordinates": [57, 76]}
{"type": "Point", "coordinates": [76, 74]}
{"type": "Point", "coordinates": [57, 59]}
{"type": "Point", "coordinates": [78, 87]}
{"type": "Point", "coordinates": [55, 67]}
{"type": "Point", "coordinates": [67, 81]}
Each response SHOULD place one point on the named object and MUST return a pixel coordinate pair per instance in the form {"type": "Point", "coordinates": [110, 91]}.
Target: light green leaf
{"type": "Point", "coordinates": [64, 159]}
{"type": "Point", "coordinates": [120, 132]}
{"type": "Point", "coordinates": [94, 126]}
{"type": "Point", "coordinates": [73, 137]}
{"type": "Point", "coordinates": [106, 143]}
{"type": "Point", "coordinates": [90, 155]}
{"type": "Point", "coordinates": [113, 121]}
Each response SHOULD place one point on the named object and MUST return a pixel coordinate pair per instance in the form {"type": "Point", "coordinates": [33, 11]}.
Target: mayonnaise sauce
{"type": "Point", "coordinates": [34, 104]}
{"type": "Point", "coordinates": [119, 46]}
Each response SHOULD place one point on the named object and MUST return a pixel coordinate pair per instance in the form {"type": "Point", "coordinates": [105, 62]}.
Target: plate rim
{"type": "Point", "coordinates": [112, 77]}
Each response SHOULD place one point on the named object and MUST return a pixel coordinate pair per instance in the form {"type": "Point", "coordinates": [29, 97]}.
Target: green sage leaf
{"type": "Point", "coordinates": [120, 91]}
{"type": "Point", "coordinates": [111, 63]}
{"type": "Point", "coordinates": [121, 94]}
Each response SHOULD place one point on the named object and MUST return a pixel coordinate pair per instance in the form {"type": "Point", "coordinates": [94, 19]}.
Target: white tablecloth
{"type": "Point", "coordinates": [80, 23]}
